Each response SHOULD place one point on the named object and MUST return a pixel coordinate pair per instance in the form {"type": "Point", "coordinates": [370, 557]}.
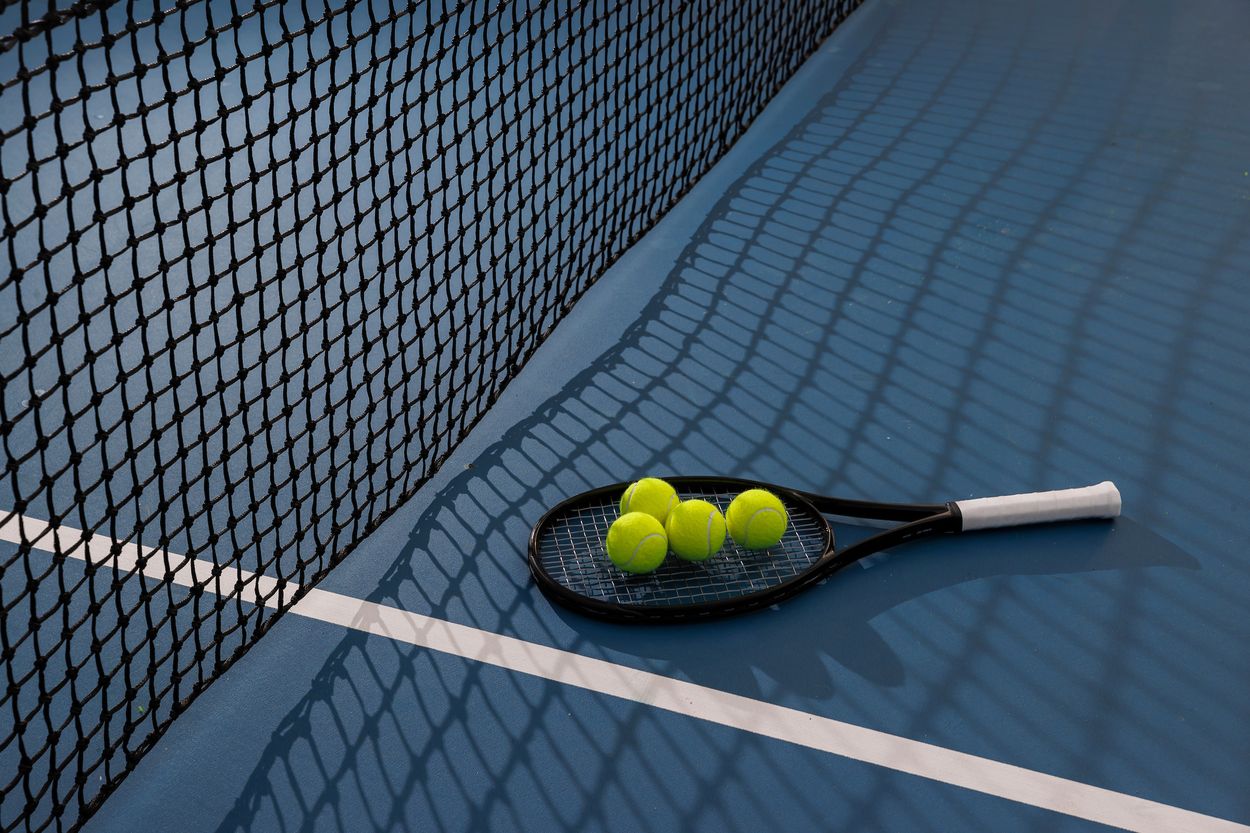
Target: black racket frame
{"type": "Point", "coordinates": [915, 520]}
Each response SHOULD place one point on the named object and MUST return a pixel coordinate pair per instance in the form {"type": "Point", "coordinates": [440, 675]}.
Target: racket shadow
{"type": "Point", "coordinates": [848, 622]}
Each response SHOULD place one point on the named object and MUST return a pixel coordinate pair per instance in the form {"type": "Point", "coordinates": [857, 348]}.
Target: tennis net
{"type": "Point", "coordinates": [266, 264]}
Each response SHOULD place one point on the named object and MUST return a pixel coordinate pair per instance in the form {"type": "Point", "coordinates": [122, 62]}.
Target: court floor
{"type": "Point", "coordinates": [972, 248]}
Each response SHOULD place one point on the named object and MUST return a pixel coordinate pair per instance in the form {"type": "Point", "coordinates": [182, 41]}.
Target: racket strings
{"type": "Point", "coordinates": [571, 552]}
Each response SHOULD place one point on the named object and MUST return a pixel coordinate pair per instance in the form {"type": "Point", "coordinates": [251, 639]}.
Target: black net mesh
{"type": "Point", "coordinates": [265, 264]}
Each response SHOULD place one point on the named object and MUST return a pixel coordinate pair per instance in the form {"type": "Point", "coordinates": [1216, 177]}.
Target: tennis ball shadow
{"type": "Point", "coordinates": [844, 624]}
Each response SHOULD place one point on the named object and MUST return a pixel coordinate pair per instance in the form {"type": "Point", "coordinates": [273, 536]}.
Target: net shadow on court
{"type": "Point", "coordinates": [903, 299]}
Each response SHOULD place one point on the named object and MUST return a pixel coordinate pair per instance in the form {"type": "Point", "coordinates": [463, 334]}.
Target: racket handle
{"type": "Point", "coordinates": [1099, 501]}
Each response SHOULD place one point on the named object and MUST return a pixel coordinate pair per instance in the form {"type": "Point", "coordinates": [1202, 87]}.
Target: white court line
{"type": "Point", "coordinates": [936, 763]}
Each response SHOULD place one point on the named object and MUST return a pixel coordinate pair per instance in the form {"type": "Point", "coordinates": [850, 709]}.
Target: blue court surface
{"type": "Point", "coordinates": [971, 248]}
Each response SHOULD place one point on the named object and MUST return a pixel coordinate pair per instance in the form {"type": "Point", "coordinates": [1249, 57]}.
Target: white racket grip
{"type": "Point", "coordinates": [1099, 501]}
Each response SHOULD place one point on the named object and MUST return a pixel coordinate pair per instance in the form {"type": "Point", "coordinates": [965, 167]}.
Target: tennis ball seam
{"type": "Point", "coordinates": [683, 530]}
{"type": "Point", "coordinates": [754, 515]}
{"type": "Point", "coordinates": [634, 553]}
{"type": "Point", "coordinates": [627, 500]}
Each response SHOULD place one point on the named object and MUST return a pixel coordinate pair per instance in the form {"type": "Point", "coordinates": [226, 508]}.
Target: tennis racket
{"type": "Point", "coordinates": [570, 565]}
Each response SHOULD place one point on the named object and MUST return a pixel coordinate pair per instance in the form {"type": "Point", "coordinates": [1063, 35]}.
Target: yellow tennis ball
{"type": "Point", "coordinates": [636, 542]}
{"type": "Point", "coordinates": [756, 519]}
{"type": "Point", "coordinates": [696, 530]}
{"type": "Point", "coordinates": [651, 495]}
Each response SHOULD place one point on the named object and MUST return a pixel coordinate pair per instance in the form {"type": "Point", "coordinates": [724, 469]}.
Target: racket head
{"type": "Point", "coordinates": [570, 564]}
